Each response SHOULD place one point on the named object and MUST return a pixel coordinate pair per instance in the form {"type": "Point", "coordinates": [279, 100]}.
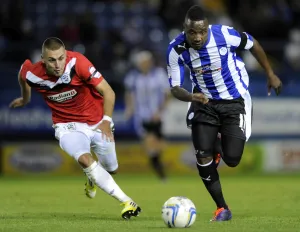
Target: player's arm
{"type": "Point", "coordinates": [175, 70]}
{"type": "Point", "coordinates": [248, 42]}
{"type": "Point", "coordinates": [109, 102]}
{"type": "Point", "coordinates": [244, 41]}
{"type": "Point", "coordinates": [109, 98]}
{"type": "Point", "coordinates": [90, 76]}
{"type": "Point", "coordinates": [25, 91]}
{"type": "Point", "coordinates": [261, 57]}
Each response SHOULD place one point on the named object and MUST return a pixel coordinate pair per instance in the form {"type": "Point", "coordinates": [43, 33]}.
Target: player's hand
{"type": "Point", "coordinates": [106, 131]}
{"type": "Point", "coordinates": [275, 83]}
{"type": "Point", "coordinates": [199, 97]}
{"type": "Point", "coordinates": [18, 102]}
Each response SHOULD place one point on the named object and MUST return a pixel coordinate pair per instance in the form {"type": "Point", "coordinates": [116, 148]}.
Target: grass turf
{"type": "Point", "coordinates": [258, 204]}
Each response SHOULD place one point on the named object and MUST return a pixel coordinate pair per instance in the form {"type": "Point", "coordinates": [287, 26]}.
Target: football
{"type": "Point", "coordinates": [179, 212]}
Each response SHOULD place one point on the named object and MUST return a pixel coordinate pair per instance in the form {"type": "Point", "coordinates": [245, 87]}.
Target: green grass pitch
{"type": "Point", "coordinates": [258, 204]}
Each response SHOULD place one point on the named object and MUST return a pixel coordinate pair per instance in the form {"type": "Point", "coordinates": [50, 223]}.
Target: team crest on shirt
{"type": "Point", "coordinates": [191, 116]}
{"type": "Point", "coordinates": [65, 78]}
{"type": "Point", "coordinates": [223, 51]}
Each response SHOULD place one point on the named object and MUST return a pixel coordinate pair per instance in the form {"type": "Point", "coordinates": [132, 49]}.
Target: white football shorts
{"type": "Point", "coordinates": [77, 139]}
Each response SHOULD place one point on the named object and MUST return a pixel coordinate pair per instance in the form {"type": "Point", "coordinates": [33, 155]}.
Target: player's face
{"type": "Point", "coordinates": [55, 61]}
{"type": "Point", "coordinates": [196, 32]}
{"type": "Point", "coordinates": [145, 65]}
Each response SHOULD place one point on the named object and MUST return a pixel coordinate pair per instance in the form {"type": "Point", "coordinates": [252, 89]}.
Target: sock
{"type": "Point", "coordinates": [104, 180]}
{"type": "Point", "coordinates": [210, 178]}
{"type": "Point", "coordinates": [157, 164]}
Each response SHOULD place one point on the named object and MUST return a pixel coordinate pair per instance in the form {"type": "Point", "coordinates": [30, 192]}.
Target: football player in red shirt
{"type": "Point", "coordinates": [82, 104]}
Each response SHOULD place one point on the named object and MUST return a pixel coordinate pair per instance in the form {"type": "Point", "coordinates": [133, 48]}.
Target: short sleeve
{"type": "Point", "coordinates": [24, 69]}
{"type": "Point", "coordinates": [175, 68]}
{"type": "Point", "coordinates": [236, 39]}
{"type": "Point", "coordinates": [86, 71]}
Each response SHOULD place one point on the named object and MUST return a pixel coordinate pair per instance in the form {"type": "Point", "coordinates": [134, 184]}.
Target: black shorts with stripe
{"type": "Point", "coordinates": [228, 115]}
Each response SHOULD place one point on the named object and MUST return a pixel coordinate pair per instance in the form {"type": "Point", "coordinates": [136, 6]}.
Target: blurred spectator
{"type": "Point", "coordinates": [292, 50]}
{"type": "Point", "coordinates": [109, 31]}
{"type": "Point", "coordinates": [147, 94]}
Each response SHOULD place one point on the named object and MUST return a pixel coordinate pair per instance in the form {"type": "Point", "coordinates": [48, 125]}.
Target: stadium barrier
{"type": "Point", "coordinates": [282, 156]}
{"type": "Point", "coordinates": [19, 159]}
{"type": "Point", "coordinates": [31, 158]}
{"type": "Point", "coordinates": [268, 156]}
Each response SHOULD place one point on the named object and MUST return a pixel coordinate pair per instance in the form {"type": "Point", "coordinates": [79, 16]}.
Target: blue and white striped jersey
{"type": "Point", "coordinates": [149, 91]}
{"type": "Point", "coordinates": [215, 69]}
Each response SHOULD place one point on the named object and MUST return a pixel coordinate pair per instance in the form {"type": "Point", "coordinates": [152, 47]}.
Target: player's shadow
{"type": "Point", "coordinates": [69, 216]}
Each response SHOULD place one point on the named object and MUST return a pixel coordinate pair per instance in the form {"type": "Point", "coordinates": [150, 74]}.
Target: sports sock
{"type": "Point", "coordinates": [157, 164]}
{"type": "Point", "coordinates": [104, 180]}
{"type": "Point", "coordinates": [210, 178]}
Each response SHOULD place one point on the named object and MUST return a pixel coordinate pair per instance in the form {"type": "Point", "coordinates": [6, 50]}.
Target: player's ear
{"type": "Point", "coordinates": [42, 58]}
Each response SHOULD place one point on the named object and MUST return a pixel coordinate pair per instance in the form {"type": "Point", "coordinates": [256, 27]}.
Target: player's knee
{"type": "Point", "coordinates": [112, 168]}
{"type": "Point", "coordinates": [204, 160]}
{"type": "Point", "coordinates": [232, 161]}
{"type": "Point", "coordinates": [113, 172]}
{"type": "Point", "coordinates": [204, 156]}
{"type": "Point", "coordinates": [85, 160]}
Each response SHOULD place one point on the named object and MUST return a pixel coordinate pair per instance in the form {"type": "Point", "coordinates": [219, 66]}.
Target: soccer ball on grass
{"type": "Point", "coordinates": [179, 212]}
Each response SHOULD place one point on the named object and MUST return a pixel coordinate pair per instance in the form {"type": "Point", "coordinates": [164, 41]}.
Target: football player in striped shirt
{"type": "Point", "coordinates": [146, 97]}
{"type": "Point", "coordinates": [220, 101]}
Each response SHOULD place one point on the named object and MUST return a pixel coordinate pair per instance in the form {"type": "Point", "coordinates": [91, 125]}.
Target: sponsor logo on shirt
{"type": "Point", "coordinates": [207, 69]}
{"type": "Point", "coordinates": [64, 96]}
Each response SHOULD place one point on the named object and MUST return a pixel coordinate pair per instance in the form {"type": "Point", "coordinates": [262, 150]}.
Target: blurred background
{"type": "Point", "coordinates": [110, 33]}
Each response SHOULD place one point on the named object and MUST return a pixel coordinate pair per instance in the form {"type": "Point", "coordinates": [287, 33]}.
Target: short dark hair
{"type": "Point", "coordinates": [195, 13]}
{"type": "Point", "coordinates": [53, 43]}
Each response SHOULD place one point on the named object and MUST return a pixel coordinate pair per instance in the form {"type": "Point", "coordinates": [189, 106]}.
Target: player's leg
{"type": "Point", "coordinates": [107, 158]}
{"type": "Point", "coordinates": [236, 130]}
{"type": "Point", "coordinates": [77, 145]}
{"type": "Point", "coordinates": [233, 148]}
{"type": "Point", "coordinates": [153, 143]}
{"type": "Point", "coordinates": [204, 114]}
{"type": "Point", "coordinates": [105, 152]}
{"type": "Point", "coordinates": [204, 136]}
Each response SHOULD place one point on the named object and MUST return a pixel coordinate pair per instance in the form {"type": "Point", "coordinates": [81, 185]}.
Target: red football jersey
{"type": "Point", "coordinates": [71, 97]}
